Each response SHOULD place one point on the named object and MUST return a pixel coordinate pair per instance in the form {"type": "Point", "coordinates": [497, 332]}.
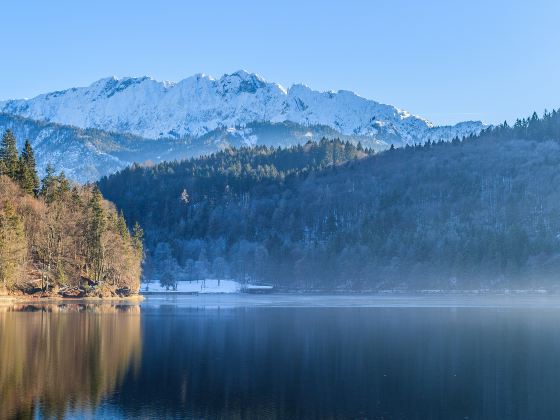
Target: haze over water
{"type": "Point", "coordinates": [283, 357]}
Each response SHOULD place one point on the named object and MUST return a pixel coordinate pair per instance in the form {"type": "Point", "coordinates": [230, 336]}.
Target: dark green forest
{"type": "Point", "coordinates": [480, 212]}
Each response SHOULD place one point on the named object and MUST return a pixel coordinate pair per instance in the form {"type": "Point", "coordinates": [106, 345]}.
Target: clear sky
{"type": "Point", "coordinates": [442, 59]}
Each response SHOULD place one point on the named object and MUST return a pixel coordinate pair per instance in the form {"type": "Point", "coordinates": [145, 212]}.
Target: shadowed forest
{"type": "Point", "coordinates": [481, 212]}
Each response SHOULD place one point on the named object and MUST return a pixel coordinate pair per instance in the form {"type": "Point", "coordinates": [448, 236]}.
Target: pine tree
{"type": "Point", "coordinates": [168, 281]}
{"type": "Point", "coordinates": [9, 155]}
{"type": "Point", "coordinates": [28, 177]}
{"type": "Point", "coordinates": [138, 239]}
{"type": "Point", "coordinates": [96, 228]}
{"type": "Point", "coordinates": [62, 186]}
{"type": "Point", "coordinates": [121, 226]}
{"type": "Point", "coordinates": [48, 184]}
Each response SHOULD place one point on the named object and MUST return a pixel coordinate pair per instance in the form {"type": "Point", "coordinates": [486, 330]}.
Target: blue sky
{"type": "Point", "coordinates": [445, 60]}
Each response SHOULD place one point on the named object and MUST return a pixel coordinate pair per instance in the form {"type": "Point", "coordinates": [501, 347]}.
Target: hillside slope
{"type": "Point", "coordinates": [481, 213]}
{"type": "Point", "coordinates": [85, 155]}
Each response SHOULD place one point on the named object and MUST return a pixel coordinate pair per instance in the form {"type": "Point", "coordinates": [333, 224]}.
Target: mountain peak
{"type": "Point", "coordinates": [244, 74]}
{"type": "Point", "coordinates": [199, 104]}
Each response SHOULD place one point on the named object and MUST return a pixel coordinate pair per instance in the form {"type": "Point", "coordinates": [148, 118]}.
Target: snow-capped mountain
{"type": "Point", "coordinates": [201, 105]}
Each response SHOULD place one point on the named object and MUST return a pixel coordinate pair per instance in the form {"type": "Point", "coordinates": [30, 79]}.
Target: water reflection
{"type": "Point", "coordinates": [197, 361]}
{"type": "Point", "coordinates": [320, 363]}
{"type": "Point", "coordinates": [60, 358]}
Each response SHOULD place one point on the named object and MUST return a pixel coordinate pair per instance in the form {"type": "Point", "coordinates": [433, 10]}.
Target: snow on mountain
{"type": "Point", "coordinates": [200, 105]}
{"type": "Point", "coordinates": [93, 131]}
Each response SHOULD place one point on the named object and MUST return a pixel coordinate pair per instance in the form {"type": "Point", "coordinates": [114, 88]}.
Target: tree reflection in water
{"type": "Point", "coordinates": [59, 358]}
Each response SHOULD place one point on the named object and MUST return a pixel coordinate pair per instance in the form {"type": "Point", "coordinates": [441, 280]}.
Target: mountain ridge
{"type": "Point", "coordinates": [200, 104]}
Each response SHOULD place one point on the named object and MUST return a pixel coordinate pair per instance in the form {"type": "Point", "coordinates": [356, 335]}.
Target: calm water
{"type": "Point", "coordinates": [283, 357]}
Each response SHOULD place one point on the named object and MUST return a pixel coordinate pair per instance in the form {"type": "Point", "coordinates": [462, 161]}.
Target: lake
{"type": "Point", "coordinates": [283, 357]}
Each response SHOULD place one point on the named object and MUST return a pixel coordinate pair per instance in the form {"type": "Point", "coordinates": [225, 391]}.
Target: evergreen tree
{"type": "Point", "coordinates": [9, 155]}
{"type": "Point", "coordinates": [168, 280]}
{"type": "Point", "coordinates": [97, 225]}
{"type": "Point", "coordinates": [138, 239]}
{"type": "Point", "coordinates": [48, 184]}
{"type": "Point", "coordinates": [62, 187]}
{"type": "Point", "coordinates": [121, 226]}
{"type": "Point", "coordinates": [29, 179]}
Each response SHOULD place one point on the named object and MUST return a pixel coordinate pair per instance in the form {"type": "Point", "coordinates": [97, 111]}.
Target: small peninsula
{"type": "Point", "coordinates": [58, 239]}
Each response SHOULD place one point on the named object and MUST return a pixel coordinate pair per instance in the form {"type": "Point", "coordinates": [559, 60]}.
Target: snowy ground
{"type": "Point", "coordinates": [200, 286]}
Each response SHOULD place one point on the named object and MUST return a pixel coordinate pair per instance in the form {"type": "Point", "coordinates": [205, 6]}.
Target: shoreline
{"type": "Point", "coordinates": [57, 299]}
{"type": "Point", "coordinates": [8, 299]}
{"type": "Point", "coordinates": [422, 292]}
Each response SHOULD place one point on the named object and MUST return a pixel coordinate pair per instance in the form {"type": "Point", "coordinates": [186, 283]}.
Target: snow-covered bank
{"type": "Point", "coordinates": [210, 286]}
{"type": "Point", "coordinates": [199, 286]}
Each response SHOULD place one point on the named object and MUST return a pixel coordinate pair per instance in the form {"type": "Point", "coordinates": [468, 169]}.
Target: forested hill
{"type": "Point", "coordinates": [479, 213]}
{"type": "Point", "coordinates": [60, 239]}
{"type": "Point", "coordinates": [546, 127]}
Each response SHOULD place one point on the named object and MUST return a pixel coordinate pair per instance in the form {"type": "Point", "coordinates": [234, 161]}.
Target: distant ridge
{"type": "Point", "coordinates": [200, 105]}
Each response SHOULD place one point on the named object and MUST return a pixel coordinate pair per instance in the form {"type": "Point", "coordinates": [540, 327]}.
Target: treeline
{"type": "Point", "coordinates": [181, 203]}
{"type": "Point", "coordinates": [161, 195]}
{"type": "Point", "coordinates": [56, 237]}
{"type": "Point", "coordinates": [537, 128]}
{"type": "Point", "coordinates": [475, 213]}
